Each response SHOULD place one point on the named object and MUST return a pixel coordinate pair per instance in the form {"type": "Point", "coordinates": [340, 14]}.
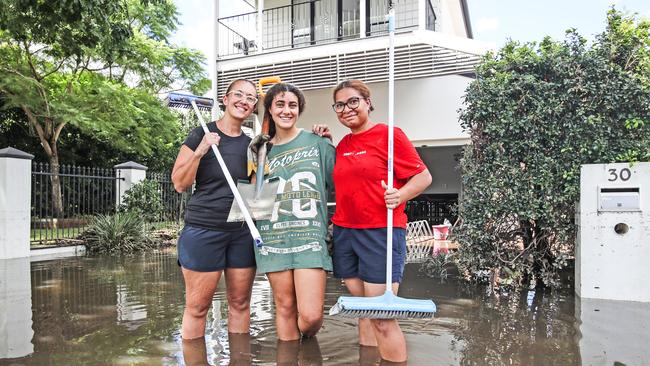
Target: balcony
{"type": "Point", "coordinates": [316, 22]}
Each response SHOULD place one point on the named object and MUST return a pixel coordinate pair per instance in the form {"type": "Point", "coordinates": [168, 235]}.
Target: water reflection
{"type": "Point", "coordinates": [194, 352]}
{"type": "Point", "coordinates": [15, 308]}
{"type": "Point", "coordinates": [523, 328]}
{"type": "Point", "coordinates": [614, 332]}
{"type": "Point", "coordinates": [127, 311]}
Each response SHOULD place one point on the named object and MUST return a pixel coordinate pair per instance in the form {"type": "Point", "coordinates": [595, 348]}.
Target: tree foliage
{"type": "Point", "coordinates": [96, 65]}
{"type": "Point", "coordinates": [535, 113]}
{"type": "Point", "coordinates": [145, 199]}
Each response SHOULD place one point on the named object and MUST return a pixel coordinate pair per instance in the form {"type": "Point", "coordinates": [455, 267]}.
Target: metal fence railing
{"type": "Point", "coordinates": [63, 213]}
{"type": "Point", "coordinates": [174, 203]}
{"type": "Point", "coordinates": [434, 208]}
{"type": "Point", "coordinates": [313, 22]}
{"type": "Point", "coordinates": [84, 193]}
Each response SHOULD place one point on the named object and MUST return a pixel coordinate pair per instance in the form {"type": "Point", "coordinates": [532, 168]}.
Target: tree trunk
{"type": "Point", "coordinates": [57, 197]}
{"type": "Point", "coordinates": [48, 133]}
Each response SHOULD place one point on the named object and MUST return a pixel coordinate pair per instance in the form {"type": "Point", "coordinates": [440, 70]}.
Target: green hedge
{"type": "Point", "coordinates": [535, 113]}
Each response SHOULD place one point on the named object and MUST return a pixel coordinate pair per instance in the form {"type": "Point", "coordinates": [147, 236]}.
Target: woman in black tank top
{"type": "Point", "coordinates": [208, 245]}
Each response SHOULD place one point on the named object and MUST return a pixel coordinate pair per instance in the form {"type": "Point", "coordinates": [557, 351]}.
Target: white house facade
{"type": "Point", "coordinates": [315, 44]}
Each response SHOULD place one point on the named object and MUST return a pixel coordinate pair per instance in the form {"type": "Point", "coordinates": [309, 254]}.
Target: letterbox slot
{"type": "Point", "coordinates": [619, 199]}
{"type": "Point", "coordinates": [622, 190]}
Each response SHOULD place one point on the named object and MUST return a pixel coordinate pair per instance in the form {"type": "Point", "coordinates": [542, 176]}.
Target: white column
{"type": "Point", "coordinates": [128, 174]}
{"type": "Point", "coordinates": [15, 308]}
{"type": "Point", "coordinates": [215, 57]}
{"type": "Point", "coordinates": [422, 15]}
{"type": "Point", "coordinates": [362, 18]}
{"type": "Point", "coordinates": [15, 202]}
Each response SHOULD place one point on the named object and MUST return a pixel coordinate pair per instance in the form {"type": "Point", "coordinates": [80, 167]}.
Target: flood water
{"type": "Point", "coordinates": [127, 311]}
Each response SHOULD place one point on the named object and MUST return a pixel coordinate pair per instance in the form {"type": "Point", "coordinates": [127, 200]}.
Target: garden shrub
{"type": "Point", "coordinates": [438, 265]}
{"type": "Point", "coordinates": [145, 199]}
{"type": "Point", "coordinates": [535, 113]}
{"type": "Point", "coordinates": [120, 233]}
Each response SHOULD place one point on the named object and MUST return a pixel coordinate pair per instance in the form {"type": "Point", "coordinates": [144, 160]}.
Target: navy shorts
{"type": "Point", "coordinates": [361, 253]}
{"type": "Point", "coordinates": [205, 250]}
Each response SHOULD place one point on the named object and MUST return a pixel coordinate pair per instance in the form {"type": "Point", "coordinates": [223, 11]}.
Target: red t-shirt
{"type": "Point", "coordinates": [361, 165]}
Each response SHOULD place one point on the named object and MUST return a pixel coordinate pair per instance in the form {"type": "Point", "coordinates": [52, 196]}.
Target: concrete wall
{"type": "Point", "coordinates": [15, 202]}
{"type": "Point", "coordinates": [450, 17]}
{"type": "Point", "coordinates": [426, 109]}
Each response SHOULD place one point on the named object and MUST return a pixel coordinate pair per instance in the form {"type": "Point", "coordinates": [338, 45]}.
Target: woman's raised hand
{"type": "Point", "coordinates": [322, 130]}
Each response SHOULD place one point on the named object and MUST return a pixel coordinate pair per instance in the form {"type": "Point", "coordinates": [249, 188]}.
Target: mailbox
{"type": "Point", "coordinates": [619, 199]}
{"type": "Point", "coordinates": [613, 232]}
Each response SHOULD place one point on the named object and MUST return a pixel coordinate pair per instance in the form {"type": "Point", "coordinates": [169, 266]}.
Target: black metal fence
{"type": "Point", "coordinates": [84, 192]}
{"type": "Point", "coordinates": [174, 203]}
{"type": "Point", "coordinates": [434, 208]}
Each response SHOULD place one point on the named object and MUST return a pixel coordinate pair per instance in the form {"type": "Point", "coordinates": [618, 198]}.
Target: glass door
{"type": "Point", "coordinates": [348, 19]}
{"type": "Point", "coordinates": [326, 20]}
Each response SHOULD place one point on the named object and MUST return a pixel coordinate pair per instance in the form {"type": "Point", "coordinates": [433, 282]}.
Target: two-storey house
{"type": "Point", "coordinates": [315, 44]}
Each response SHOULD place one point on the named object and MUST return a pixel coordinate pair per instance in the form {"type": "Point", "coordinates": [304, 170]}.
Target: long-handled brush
{"type": "Point", "coordinates": [388, 305]}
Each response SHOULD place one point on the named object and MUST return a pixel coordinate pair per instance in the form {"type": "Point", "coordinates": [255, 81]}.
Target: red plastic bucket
{"type": "Point", "coordinates": [440, 232]}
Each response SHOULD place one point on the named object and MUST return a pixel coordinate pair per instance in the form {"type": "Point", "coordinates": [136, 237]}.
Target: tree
{"type": "Point", "coordinates": [96, 65]}
{"type": "Point", "coordinates": [535, 114]}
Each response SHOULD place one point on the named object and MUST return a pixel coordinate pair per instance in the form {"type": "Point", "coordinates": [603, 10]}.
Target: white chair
{"type": "Point", "coordinates": [419, 241]}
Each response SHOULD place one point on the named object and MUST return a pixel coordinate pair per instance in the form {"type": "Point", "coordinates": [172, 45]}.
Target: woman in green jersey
{"type": "Point", "coordinates": [295, 256]}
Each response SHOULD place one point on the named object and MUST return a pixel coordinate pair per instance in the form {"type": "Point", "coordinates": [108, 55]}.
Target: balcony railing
{"type": "Point", "coordinates": [314, 22]}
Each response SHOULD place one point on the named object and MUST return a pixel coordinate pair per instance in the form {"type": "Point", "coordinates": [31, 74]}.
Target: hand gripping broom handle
{"type": "Point", "coordinates": [391, 122]}
{"type": "Point", "coordinates": [247, 216]}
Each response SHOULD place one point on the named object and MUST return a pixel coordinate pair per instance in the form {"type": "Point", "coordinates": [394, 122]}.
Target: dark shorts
{"type": "Point", "coordinates": [205, 250]}
{"type": "Point", "coordinates": [361, 253]}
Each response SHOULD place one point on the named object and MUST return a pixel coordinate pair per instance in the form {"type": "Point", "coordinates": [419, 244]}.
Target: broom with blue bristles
{"type": "Point", "coordinates": [388, 305]}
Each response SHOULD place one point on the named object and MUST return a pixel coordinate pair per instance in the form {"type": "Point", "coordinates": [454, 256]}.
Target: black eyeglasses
{"type": "Point", "coordinates": [352, 104]}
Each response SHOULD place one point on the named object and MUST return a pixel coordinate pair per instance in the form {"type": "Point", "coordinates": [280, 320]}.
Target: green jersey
{"type": "Point", "coordinates": [294, 237]}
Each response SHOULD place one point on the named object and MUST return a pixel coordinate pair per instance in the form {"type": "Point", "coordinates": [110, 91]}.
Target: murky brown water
{"type": "Point", "coordinates": [127, 311]}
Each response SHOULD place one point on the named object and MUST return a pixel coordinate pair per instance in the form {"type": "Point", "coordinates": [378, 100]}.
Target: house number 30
{"type": "Point", "coordinates": [624, 174]}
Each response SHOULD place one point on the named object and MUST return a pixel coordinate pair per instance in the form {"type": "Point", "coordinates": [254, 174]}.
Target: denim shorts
{"type": "Point", "coordinates": [203, 250]}
{"type": "Point", "coordinates": [361, 253]}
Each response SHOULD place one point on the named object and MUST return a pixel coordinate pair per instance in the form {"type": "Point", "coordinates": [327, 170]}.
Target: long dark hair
{"type": "Point", "coordinates": [231, 85]}
{"type": "Point", "coordinates": [272, 93]}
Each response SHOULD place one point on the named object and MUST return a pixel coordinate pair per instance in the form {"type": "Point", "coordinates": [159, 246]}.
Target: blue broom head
{"type": "Point", "coordinates": [386, 306]}
{"type": "Point", "coordinates": [178, 100]}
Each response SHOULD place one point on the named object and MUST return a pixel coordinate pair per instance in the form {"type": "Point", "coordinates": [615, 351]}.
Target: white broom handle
{"type": "Point", "coordinates": [247, 216]}
{"type": "Point", "coordinates": [391, 122]}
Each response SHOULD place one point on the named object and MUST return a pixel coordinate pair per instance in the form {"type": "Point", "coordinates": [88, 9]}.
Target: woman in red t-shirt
{"type": "Point", "coordinates": [362, 198]}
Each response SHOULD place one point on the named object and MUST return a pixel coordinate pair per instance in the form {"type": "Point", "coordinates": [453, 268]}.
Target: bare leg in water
{"type": "Point", "coordinates": [366, 332]}
{"type": "Point", "coordinates": [194, 352]}
{"type": "Point", "coordinates": [240, 349]}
